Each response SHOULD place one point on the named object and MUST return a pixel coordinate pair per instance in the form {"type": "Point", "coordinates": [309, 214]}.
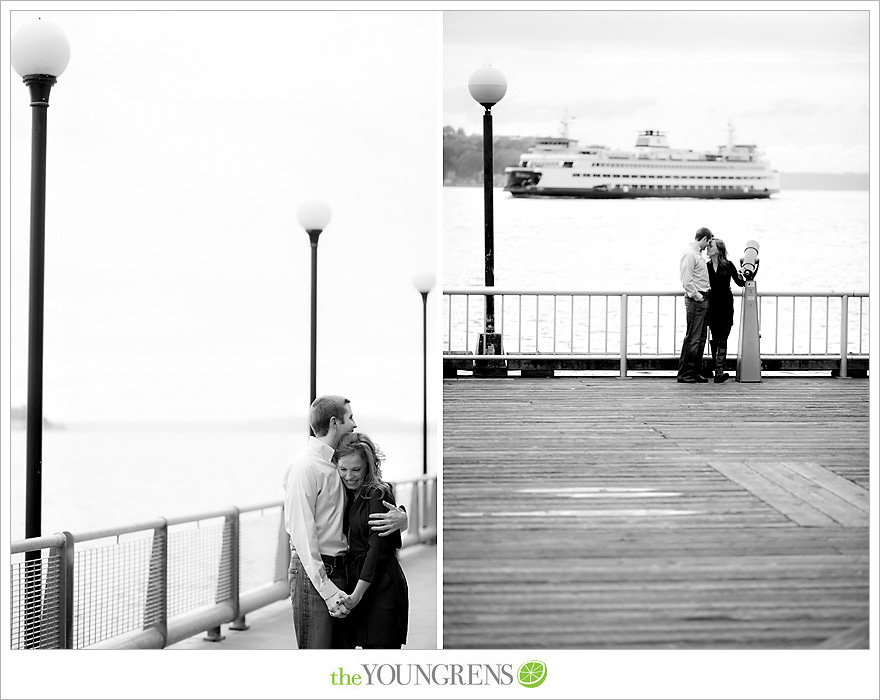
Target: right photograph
{"type": "Point", "coordinates": [656, 325]}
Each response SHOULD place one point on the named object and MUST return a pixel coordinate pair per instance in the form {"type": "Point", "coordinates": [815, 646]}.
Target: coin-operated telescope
{"type": "Point", "coordinates": [748, 359]}
{"type": "Point", "coordinates": [749, 262]}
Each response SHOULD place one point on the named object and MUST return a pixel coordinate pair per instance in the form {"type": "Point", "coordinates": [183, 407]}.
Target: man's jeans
{"type": "Point", "coordinates": [691, 360]}
{"type": "Point", "coordinates": [314, 627]}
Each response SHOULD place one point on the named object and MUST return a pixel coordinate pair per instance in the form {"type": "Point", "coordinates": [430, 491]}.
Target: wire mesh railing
{"type": "Point", "coordinates": [37, 595]}
{"type": "Point", "coordinates": [615, 325]}
{"type": "Point", "coordinates": [109, 598]}
{"type": "Point", "coordinates": [152, 584]}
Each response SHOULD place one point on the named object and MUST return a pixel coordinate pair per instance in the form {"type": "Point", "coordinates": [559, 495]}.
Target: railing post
{"type": "Point", "coordinates": [431, 509]}
{"type": "Point", "coordinates": [423, 513]}
{"type": "Point", "coordinates": [282, 554]}
{"type": "Point", "coordinates": [624, 318]}
{"type": "Point", "coordinates": [53, 601]}
{"type": "Point", "coordinates": [65, 603]}
{"type": "Point", "coordinates": [844, 333]}
{"type": "Point", "coordinates": [156, 606]}
{"type": "Point", "coordinates": [228, 571]}
{"type": "Point", "coordinates": [415, 512]}
{"type": "Point", "coordinates": [238, 623]}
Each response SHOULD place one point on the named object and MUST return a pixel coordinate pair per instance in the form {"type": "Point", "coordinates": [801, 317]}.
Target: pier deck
{"type": "Point", "coordinates": [595, 512]}
{"type": "Point", "coordinates": [272, 627]}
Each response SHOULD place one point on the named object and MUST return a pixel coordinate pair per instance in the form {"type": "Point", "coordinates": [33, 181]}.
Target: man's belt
{"type": "Point", "coordinates": [330, 563]}
{"type": "Point", "coordinates": [333, 563]}
{"type": "Point", "coordinates": [338, 560]}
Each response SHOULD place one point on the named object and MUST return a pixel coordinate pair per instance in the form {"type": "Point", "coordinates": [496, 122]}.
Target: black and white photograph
{"type": "Point", "coordinates": [657, 329]}
{"type": "Point", "coordinates": [438, 349]}
{"type": "Point", "coordinates": [222, 280]}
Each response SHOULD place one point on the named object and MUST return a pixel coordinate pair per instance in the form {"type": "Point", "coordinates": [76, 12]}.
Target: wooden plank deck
{"type": "Point", "coordinates": [595, 512]}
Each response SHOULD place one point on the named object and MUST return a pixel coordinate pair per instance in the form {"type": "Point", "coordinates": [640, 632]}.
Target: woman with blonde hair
{"type": "Point", "coordinates": [720, 316]}
{"type": "Point", "coordinates": [379, 596]}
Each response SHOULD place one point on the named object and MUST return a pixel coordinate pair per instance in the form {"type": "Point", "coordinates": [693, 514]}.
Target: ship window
{"type": "Point", "coordinates": [568, 164]}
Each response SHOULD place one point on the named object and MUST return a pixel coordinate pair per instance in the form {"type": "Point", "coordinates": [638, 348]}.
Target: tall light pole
{"type": "Point", "coordinates": [314, 216]}
{"type": "Point", "coordinates": [424, 282]}
{"type": "Point", "coordinates": [487, 86]}
{"type": "Point", "coordinates": [39, 53]}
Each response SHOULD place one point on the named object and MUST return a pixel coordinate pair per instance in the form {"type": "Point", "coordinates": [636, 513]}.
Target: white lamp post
{"type": "Point", "coordinates": [314, 216]}
{"type": "Point", "coordinates": [487, 86]}
{"type": "Point", "coordinates": [424, 282]}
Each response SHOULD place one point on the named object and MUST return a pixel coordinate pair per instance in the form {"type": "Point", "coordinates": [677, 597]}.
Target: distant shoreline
{"type": "Point", "coordinates": [817, 182]}
{"type": "Point", "coordinates": [18, 421]}
{"type": "Point", "coordinates": [825, 181]}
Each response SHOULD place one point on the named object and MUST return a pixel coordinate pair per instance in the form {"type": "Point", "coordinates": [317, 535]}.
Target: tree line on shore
{"type": "Point", "coordinates": [463, 164]}
{"type": "Point", "coordinates": [463, 156]}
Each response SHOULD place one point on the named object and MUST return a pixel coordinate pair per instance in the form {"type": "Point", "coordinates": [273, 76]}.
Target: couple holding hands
{"type": "Point", "coordinates": [347, 589]}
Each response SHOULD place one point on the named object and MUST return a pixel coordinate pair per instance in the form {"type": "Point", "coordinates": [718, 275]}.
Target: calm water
{"type": "Point", "coordinates": [810, 241]}
{"type": "Point", "coordinates": [97, 476]}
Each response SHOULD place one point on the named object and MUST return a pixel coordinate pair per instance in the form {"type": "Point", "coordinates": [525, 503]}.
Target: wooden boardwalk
{"type": "Point", "coordinates": [594, 512]}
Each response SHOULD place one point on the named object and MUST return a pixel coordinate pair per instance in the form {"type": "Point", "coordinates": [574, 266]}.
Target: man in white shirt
{"type": "Point", "coordinates": [695, 281]}
{"type": "Point", "coordinates": [314, 511]}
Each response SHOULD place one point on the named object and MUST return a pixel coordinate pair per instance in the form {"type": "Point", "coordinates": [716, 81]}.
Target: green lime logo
{"type": "Point", "coordinates": [531, 674]}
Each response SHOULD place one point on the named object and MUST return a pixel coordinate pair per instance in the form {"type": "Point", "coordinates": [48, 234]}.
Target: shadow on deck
{"type": "Point", "coordinates": [640, 513]}
{"type": "Point", "coordinates": [271, 627]}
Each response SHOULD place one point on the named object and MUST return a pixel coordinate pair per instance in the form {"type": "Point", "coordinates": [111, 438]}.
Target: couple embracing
{"type": "Point", "coordinates": [708, 305]}
{"type": "Point", "coordinates": [347, 589]}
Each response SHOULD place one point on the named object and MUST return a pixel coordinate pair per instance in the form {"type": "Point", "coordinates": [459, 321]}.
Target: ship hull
{"type": "Point", "coordinates": [581, 193]}
{"type": "Point", "coordinates": [556, 168]}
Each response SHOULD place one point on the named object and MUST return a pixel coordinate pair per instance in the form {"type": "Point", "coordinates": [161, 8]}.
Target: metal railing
{"type": "Point", "coordinates": [155, 583]}
{"type": "Point", "coordinates": [560, 327]}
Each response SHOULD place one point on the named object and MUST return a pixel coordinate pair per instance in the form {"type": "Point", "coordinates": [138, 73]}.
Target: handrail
{"type": "Point", "coordinates": [44, 542]}
{"type": "Point", "coordinates": [736, 291]}
{"type": "Point", "coordinates": [167, 581]}
{"type": "Point", "coordinates": [544, 329]}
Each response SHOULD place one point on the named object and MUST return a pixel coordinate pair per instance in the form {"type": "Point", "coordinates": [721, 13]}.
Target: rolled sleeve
{"type": "Point", "coordinates": [301, 494]}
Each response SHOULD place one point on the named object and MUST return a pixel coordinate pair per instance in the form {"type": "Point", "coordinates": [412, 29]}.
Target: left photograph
{"type": "Point", "coordinates": [223, 286]}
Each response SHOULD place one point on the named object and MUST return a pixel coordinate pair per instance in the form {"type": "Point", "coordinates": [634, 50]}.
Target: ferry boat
{"type": "Point", "coordinates": [558, 167]}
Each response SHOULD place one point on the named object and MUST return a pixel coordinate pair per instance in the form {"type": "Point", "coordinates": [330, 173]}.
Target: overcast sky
{"type": "Point", "coordinates": [793, 82]}
{"type": "Point", "coordinates": [181, 145]}
{"type": "Point", "coordinates": [182, 142]}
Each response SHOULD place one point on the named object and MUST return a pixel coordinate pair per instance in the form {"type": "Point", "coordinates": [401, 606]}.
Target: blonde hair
{"type": "Point", "coordinates": [361, 444]}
